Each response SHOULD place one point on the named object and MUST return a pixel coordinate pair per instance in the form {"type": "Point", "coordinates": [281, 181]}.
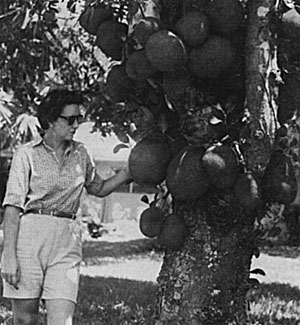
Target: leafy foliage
{"type": "Point", "coordinates": [42, 46]}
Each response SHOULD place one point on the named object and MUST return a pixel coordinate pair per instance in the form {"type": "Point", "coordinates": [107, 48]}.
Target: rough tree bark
{"type": "Point", "coordinates": [206, 281]}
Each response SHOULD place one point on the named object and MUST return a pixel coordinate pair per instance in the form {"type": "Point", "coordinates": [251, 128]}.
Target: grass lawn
{"type": "Point", "coordinates": [111, 301]}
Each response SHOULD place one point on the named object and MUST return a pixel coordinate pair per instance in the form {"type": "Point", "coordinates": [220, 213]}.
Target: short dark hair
{"type": "Point", "coordinates": [53, 104]}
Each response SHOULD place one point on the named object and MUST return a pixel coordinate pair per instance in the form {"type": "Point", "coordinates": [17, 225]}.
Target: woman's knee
{"type": "Point", "coordinates": [60, 311]}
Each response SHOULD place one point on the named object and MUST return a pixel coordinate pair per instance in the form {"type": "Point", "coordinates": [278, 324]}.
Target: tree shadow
{"type": "Point", "coordinates": [95, 250]}
{"type": "Point", "coordinates": [283, 291]}
{"type": "Point", "coordinates": [115, 301]}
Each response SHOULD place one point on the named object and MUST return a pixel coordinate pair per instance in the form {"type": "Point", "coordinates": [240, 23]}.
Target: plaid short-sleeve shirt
{"type": "Point", "coordinates": [37, 180]}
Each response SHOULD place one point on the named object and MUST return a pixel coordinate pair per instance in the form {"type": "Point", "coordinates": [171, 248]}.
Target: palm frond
{"type": "Point", "coordinates": [26, 124]}
{"type": "Point", "coordinates": [5, 114]}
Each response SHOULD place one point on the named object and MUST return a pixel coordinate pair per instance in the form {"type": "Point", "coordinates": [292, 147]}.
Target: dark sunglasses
{"type": "Point", "coordinates": [71, 119]}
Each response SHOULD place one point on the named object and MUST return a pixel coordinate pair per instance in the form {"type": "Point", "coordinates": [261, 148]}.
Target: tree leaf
{"type": "Point", "coordinates": [289, 3]}
{"type": "Point", "coordinates": [253, 282]}
{"type": "Point", "coordinates": [145, 199]}
{"type": "Point", "coordinates": [26, 124]}
{"type": "Point", "coordinates": [5, 113]}
{"type": "Point", "coordinates": [258, 271]}
{"type": "Point", "coordinates": [118, 147]}
{"type": "Point", "coordinates": [122, 136]}
{"type": "Point", "coordinates": [256, 252]}
{"type": "Point", "coordinates": [27, 18]}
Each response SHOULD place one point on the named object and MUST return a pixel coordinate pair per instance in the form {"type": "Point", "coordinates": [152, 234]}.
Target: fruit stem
{"type": "Point", "coordinates": [240, 155]}
{"type": "Point", "coordinates": [141, 9]}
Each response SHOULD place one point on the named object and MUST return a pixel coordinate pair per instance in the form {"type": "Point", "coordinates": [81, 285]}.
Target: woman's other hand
{"type": "Point", "coordinates": [10, 270]}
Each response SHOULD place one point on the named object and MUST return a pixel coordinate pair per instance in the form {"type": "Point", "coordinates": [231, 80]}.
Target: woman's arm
{"type": "Point", "coordinates": [9, 266]}
{"type": "Point", "coordinates": [112, 183]}
{"type": "Point", "coordinates": [96, 185]}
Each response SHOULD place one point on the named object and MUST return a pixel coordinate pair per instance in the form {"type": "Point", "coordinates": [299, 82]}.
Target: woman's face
{"type": "Point", "coordinates": [63, 127]}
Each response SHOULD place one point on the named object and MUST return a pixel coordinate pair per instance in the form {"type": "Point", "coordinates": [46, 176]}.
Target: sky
{"type": "Point", "coordinates": [99, 147]}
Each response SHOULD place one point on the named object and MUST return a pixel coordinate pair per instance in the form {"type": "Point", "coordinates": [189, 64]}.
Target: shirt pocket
{"type": "Point", "coordinates": [72, 175]}
{"type": "Point", "coordinates": [79, 175]}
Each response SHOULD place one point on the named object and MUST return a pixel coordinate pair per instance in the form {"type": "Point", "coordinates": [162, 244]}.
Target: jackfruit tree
{"type": "Point", "coordinates": [209, 91]}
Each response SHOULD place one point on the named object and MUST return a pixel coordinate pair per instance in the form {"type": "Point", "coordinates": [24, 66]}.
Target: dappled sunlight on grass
{"type": "Point", "coordinates": [275, 308]}
{"type": "Point", "coordinates": [5, 313]}
{"type": "Point", "coordinates": [275, 303]}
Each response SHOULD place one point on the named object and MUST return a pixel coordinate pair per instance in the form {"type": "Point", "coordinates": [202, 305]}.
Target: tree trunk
{"type": "Point", "coordinates": [206, 281]}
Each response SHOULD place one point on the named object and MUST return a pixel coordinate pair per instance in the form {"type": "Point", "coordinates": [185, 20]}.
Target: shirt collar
{"type": "Point", "coordinates": [39, 140]}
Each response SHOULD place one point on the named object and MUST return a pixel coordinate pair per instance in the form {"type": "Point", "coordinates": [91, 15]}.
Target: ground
{"type": "Point", "coordinates": [118, 282]}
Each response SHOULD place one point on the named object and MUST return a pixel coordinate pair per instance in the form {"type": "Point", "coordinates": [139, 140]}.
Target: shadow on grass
{"type": "Point", "coordinates": [111, 301]}
{"type": "Point", "coordinates": [281, 250]}
{"type": "Point", "coordinates": [103, 249]}
{"type": "Point", "coordinates": [283, 291]}
{"type": "Point", "coordinates": [94, 251]}
{"type": "Point", "coordinates": [104, 301]}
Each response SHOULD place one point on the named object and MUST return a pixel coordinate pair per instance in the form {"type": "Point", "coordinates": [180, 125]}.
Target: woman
{"type": "Point", "coordinates": [42, 243]}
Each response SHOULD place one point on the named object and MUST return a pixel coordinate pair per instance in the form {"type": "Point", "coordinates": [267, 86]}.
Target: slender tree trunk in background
{"type": "Point", "coordinates": [206, 281]}
{"type": "Point", "coordinates": [289, 98]}
{"type": "Point", "coordinates": [261, 85]}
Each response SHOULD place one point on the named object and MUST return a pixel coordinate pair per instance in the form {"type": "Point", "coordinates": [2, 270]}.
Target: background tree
{"type": "Point", "coordinates": [205, 88]}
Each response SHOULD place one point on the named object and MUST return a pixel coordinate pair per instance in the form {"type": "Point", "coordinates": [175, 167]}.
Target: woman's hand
{"type": "Point", "coordinates": [127, 173]}
{"type": "Point", "coordinates": [10, 270]}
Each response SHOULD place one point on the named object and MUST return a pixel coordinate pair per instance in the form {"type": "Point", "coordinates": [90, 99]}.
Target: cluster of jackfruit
{"type": "Point", "coordinates": [192, 171]}
{"type": "Point", "coordinates": [196, 45]}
